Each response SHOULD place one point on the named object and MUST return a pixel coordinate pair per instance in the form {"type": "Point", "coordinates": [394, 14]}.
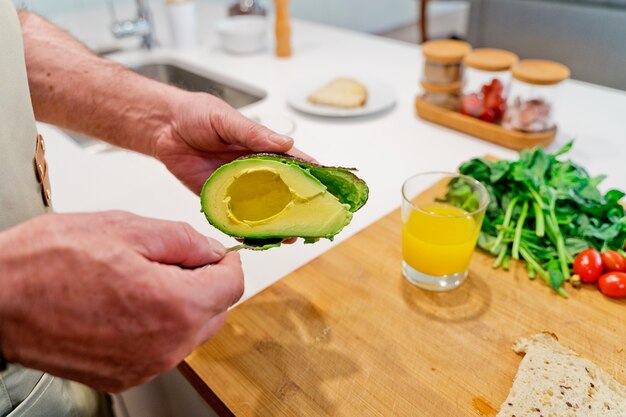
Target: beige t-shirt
{"type": "Point", "coordinates": [20, 191]}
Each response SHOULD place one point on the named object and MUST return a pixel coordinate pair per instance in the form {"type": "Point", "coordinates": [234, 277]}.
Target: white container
{"type": "Point", "coordinates": [243, 34]}
{"type": "Point", "coordinates": [183, 24]}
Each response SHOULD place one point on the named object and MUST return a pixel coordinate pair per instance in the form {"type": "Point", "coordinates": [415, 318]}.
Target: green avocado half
{"type": "Point", "coordinates": [265, 198]}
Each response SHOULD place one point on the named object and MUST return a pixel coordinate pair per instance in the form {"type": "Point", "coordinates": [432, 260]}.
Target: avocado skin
{"type": "Point", "coordinates": [340, 182]}
{"type": "Point", "coordinates": [262, 244]}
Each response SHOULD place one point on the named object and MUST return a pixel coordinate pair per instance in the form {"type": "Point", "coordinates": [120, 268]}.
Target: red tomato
{"type": "Point", "coordinates": [588, 264]}
{"type": "Point", "coordinates": [613, 284]}
{"type": "Point", "coordinates": [613, 261]}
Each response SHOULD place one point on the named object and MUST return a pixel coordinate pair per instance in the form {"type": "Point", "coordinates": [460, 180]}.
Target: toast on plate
{"type": "Point", "coordinates": [341, 92]}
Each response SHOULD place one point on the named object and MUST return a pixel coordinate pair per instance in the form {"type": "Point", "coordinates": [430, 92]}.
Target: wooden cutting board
{"type": "Point", "coordinates": [347, 335]}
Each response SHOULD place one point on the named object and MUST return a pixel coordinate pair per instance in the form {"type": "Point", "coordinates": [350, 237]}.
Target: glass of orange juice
{"type": "Point", "coordinates": [441, 218]}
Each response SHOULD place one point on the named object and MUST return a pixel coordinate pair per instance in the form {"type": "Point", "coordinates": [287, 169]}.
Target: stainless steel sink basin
{"type": "Point", "coordinates": [187, 79]}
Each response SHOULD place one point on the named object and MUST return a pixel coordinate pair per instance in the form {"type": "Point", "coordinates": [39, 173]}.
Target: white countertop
{"type": "Point", "coordinates": [386, 148]}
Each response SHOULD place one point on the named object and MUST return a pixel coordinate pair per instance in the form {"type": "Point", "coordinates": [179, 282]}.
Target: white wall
{"type": "Point", "coordinates": [361, 15]}
{"type": "Point", "coordinates": [367, 16]}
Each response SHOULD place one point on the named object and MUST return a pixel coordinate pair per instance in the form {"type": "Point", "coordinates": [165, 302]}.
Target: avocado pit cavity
{"type": "Point", "coordinates": [258, 195]}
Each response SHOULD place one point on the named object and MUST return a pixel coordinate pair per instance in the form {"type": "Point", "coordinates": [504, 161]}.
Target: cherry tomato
{"type": "Point", "coordinates": [613, 284]}
{"type": "Point", "coordinates": [588, 264]}
{"type": "Point", "coordinates": [613, 261]}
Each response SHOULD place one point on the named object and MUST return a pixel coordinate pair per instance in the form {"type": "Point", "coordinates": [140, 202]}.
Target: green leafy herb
{"type": "Point", "coordinates": [544, 211]}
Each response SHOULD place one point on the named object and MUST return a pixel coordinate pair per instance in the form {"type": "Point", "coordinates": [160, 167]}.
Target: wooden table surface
{"type": "Point", "coordinates": [347, 335]}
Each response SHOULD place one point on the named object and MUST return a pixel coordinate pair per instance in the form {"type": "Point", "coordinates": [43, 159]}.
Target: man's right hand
{"type": "Point", "coordinates": [105, 298]}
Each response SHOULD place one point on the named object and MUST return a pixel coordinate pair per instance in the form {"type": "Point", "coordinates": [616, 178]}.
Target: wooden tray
{"type": "Point", "coordinates": [487, 131]}
{"type": "Point", "coordinates": [348, 335]}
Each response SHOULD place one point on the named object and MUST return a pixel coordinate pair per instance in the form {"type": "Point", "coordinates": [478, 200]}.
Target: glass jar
{"type": "Point", "coordinates": [533, 91]}
{"type": "Point", "coordinates": [443, 61]}
{"type": "Point", "coordinates": [487, 80]}
{"type": "Point", "coordinates": [446, 96]}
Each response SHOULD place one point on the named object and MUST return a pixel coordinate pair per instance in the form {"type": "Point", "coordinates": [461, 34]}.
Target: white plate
{"type": "Point", "coordinates": [380, 96]}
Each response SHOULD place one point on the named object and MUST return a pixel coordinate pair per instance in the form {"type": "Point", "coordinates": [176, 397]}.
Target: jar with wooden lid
{"type": "Point", "coordinates": [443, 61]}
{"type": "Point", "coordinates": [447, 96]}
{"type": "Point", "coordinates": [487, 78]}
{"type": "Point", "coordinates": [533, 91]}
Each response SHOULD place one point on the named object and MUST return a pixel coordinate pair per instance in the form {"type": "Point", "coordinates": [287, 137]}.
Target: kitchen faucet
{"type": "Point", "coordinates": [142, 25]}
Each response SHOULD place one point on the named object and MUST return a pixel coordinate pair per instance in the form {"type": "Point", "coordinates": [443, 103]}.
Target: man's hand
{"type": "Point", "coordinates": [192, 133]}
{"type": "Point", "coordinates": [205, 133]}
{"type": "Point", "coordinates": [108, 299]}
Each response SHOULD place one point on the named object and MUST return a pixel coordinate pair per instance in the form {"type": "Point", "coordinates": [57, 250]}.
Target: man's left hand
{"type": "Point", "coordinates": [206, 133]}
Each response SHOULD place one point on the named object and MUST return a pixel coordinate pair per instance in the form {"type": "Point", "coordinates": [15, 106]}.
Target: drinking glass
{"type": "Point", "coordinates": [442, 214]}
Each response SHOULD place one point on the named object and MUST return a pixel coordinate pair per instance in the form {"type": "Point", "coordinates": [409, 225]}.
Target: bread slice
{"type": "Point", "coordinates": [341, 92]}
{"type": "Point", "coordinates": [554, 381]}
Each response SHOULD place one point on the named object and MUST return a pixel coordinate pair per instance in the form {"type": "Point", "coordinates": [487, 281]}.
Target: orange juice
{"type": "Point", "coordinates": [439, 239]}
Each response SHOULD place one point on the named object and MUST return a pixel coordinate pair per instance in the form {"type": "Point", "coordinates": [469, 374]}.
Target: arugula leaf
{"type": "Point", "coordinates": [499, 170]}
{"type": "Point", "coordinates": [462, 194]}
{"type": "Point", "coordinates": [565, 149]}
{"type": "Point", "coordinates": [479, 169]}
{"type": "Point", "coordinates": [575, 245]}
{"type": "Point", "coordinates": [556, 276]}
{"type": "Point", "coordinates": [614, 196]}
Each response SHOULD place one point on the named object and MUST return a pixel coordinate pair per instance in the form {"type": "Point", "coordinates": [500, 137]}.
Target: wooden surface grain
{"type": "Point", "coordinates": [347, 335]}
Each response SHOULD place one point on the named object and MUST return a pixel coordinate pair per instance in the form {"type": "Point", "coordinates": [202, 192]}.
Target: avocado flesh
{"type": "Point", "coordinates": [264, 198]}
{"type": "Point", "coordinates": [341, 182]}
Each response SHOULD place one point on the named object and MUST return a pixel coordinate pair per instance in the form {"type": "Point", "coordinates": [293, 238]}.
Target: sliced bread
{"type": "Point", "coordinates": [341, 92]}
{"type": "Point", "coordinates": [554, 381]}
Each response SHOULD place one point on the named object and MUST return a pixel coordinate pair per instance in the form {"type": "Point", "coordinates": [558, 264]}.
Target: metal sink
{"type": "Point", "coordinates": [190, 81]}
{"type": "Point", "coordinates": [187, 79]}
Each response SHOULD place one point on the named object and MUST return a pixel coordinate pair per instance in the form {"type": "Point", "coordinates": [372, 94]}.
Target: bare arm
{"type": "Point", "coordinates": [191, 133]}
{"type": "Point", "coordinates": [73, 88]}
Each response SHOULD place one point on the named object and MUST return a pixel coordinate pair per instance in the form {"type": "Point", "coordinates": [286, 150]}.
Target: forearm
{"type": "Point", "coordinates": [73, 88]}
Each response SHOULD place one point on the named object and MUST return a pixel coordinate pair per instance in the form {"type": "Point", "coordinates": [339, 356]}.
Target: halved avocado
{"type": "Point", "coordinates": [270, 196]}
